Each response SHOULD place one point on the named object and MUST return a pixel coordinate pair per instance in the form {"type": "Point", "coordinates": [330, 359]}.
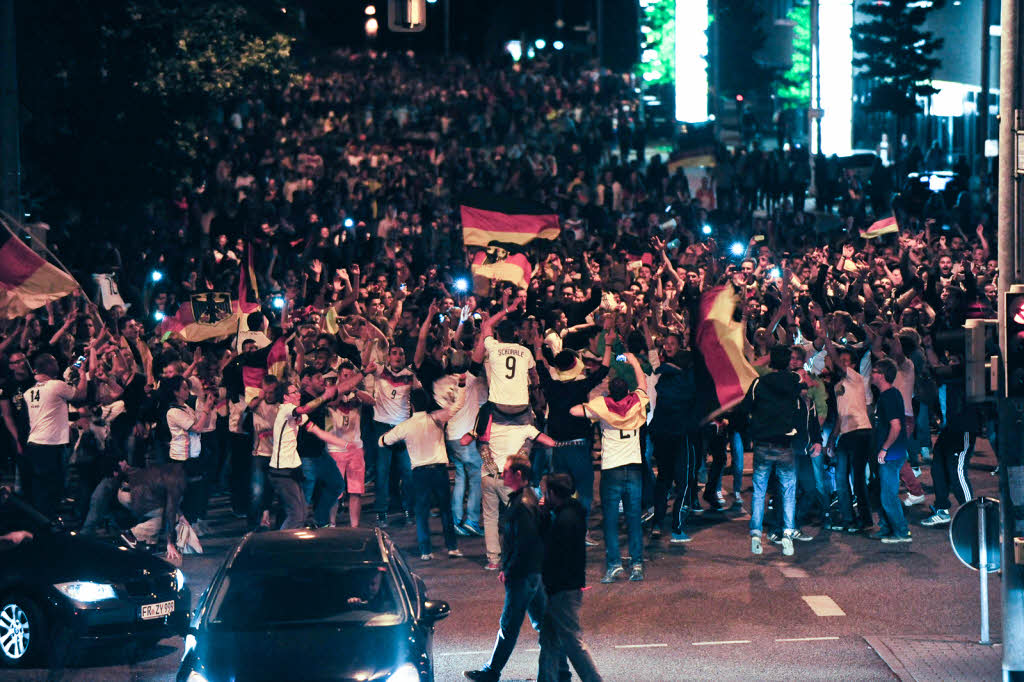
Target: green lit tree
{"type": "Point", "coordinates": [896, 56]}
{"type": "Point", "coordinates": [657, 41]}
{"type": "Point", "coordinates": [793, 87]}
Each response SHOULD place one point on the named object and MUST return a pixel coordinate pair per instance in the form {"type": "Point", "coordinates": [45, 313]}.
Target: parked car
{"type": "Point", "coordinates": [90, 590]}
{"type": "Point", "coordinates": [333, 603]}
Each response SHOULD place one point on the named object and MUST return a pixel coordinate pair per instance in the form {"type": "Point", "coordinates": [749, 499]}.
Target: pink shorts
{"type": "Point", "coordinates": [352, 467]}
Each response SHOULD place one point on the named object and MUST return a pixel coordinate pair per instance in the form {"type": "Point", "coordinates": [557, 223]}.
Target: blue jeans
{"type": "Point", "coordinates": [737, 463]}
{"type": "Point", "coordinates": [622, 483]}
{"type": "Point", "coordinates": [767, 457]}
{"type": "Point", "coordinates": [384, 458]}
{"type": "Point", "coordinates": [891, 519]}
{"type": "Point", "coordinates": [575, 460]}
{"type": "Point", "coordinates": [466, 461]}
{"type": "Point", "coordinates": [324, 469]}
{"type": "Point", "coordinates": [431, 483]}
{"type": "Point", "coordinates": [260, 496]}
{"type": "Point", "coordinates": [523, 596]}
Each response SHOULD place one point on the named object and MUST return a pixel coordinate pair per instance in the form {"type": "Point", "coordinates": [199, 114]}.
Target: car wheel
{"type": "Point", "coordinates": [22, 631]}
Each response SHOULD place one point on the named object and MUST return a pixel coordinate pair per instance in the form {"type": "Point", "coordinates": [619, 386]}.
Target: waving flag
{"type": "Point", "coordinates": [27, 280]}
{"type": "Point", "coordinates": [489, 217]}
{"type": "Point", "coordinates": [500, 264]}
{"type": "Point", "coordinates": [880, 227]}
{"type": "Point", "coordinates": [720, 341]}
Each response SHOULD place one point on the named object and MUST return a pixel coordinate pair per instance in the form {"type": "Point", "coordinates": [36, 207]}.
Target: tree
{"type": "Point", "coordinates": [114, 96]}
{"type": "Point", "coordinates": [895, 56]}
{"type": "Point", "coordinates": [793, 87]}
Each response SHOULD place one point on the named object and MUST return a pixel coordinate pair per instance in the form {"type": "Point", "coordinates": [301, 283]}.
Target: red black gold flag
{"type": "Point", "coordinates": [489, 217]}
{"type": "Point", "coordinates": [27, 280]}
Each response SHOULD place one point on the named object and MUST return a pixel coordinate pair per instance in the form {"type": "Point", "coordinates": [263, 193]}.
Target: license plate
{"type": "Point", "coordinates": [150, 611]}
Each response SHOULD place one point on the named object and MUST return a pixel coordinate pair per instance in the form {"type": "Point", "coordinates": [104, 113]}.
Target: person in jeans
{"type": "Point", "coordinates": [392, 386]}
{"type": "Point", "coordinates": [423, 435]}
{"type": "Point", "coordinates": [565, 575]}
{"type": "Point", "coordinates": [621, 414]}
{"type": "Point", "coordinates": [522, 545]}
{"type": "Point", "coordinates": [465, 459]}
{"type": "Point", "coordinates": [853, 440]}
{"type": "Point", "coordinates": [773, 403]}
{"type": "Point", "coordinates": [891, 440]}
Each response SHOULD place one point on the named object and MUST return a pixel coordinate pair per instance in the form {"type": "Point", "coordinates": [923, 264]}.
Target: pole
{"type": "Point", "coordinates": [815, 101]}
{"type": "Point", "coordinates": [599, 23]}
{"type": "Point", "coordinates": [983, 569]}
{"type": "Point", "coordinates": [10, 152]}
{"type": "Point", "coordinates": [1011, 411]}
{"type": "Point", "coordinates": [986, 47]}
{"type": "Point", "coordinates": [447, 28]}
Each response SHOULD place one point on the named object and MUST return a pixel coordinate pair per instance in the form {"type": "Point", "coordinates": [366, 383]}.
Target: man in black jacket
{"type": "Point", "coordinates": [522, 552]}
{"type": "Point", "coordinates": [773, 403]}
{"type": "Point", "coordinates": [564, 578]}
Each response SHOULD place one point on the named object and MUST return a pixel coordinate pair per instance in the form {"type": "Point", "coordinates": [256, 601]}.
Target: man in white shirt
{"type": "Point", "coordinates": [423, 434]}
{"type": "Point", "coordinates": [49, 432]}
{"type": "Point", "coordinates": [466, 460]}
{"type": "Point", "coordinates": [510, 366]}
{"type": "Point", "coordinates": [392, 386]}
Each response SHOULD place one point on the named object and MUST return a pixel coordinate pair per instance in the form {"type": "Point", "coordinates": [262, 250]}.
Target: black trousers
{"type": "Point", "coordinates": [42, 477]}
{"type": "Point", "coordinates": [677, 461]}
{"type": "Point", "coordinates": [952, 452]}
{"type": "Point", "coordinates": [240, 471]}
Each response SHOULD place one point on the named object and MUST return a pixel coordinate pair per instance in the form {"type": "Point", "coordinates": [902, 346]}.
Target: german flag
{"type": "Point", "coordinates": [489, 217]}
{"type": "Point", "coordinates": [209, 315]}
{"type": "Point", "coordinates": [880, 227]}
{"type": "Point", "coordinates": [497, 263]}
{"type": "Point", "coordinates": [27, 281]}
{"type": "Point", "coordinates": [720, 340]}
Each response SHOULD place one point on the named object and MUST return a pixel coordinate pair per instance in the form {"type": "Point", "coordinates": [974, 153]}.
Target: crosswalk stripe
{"type": "Point", "coordinates": [639, 646]}
{"type": "Point", "coordinates": [822, 605]}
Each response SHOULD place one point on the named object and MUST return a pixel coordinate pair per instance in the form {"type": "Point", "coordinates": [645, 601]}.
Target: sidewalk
{"type": "Point", "coordinates": [920, 659]}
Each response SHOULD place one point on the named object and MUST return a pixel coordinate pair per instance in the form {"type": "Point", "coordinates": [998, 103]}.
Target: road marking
{"type": "Point", "coordinates": [466, 653]}
{"type": "Point", "coordinates": [822, 605]}
{"type": "Point", "coordinates": [730, 641]}
{"type": "Point", "coordinates": [806, 639]}
{"type": "Point", "coordinates": [790, 571]}
{"type": "Point", "coordinates": [639, 646]}
{"type": "Point", "coordinates": [532, 651]}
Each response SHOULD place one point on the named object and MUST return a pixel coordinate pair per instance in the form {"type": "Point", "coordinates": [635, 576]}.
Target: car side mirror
{"type": "Point", "coordinates": [434, 611]}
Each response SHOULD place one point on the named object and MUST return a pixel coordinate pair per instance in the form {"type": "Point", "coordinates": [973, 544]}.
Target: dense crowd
{"type": "Point", "coordinates": [377, 365]}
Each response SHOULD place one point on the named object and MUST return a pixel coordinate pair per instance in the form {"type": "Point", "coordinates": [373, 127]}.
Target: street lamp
{"type": "Point", "coordinates": [371, 28]}
{"type": "Point", "coordinates": [370, 10]}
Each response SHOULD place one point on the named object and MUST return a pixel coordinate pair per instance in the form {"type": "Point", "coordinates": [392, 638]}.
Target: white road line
{"type": "Point", "coordinates": [822, 605]}
{"type": "Point", "coordinates": [639, 646]}
{"type": "Point", "coordinates": [793, 572]}
{"type": "Point", "coordinates": [806, 639]}
{"type": "Point", "coordinates": [531, 651]}
{"type": "Point", "coordinates": [465, 653]}
{"type": "Point", "coordinates": [730, 641]}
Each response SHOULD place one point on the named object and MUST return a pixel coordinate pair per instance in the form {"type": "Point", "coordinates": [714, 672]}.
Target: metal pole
{"type": "Point", "coordinates": [816, 52]}
{"type": "Point", "coordinates": [447, 28]}
{"type": "Point", "coordinates": [1010, 412]}
{"type": "Point", "coordinates": [599, 22]}
{"type": "Point", "coordinates": [983, 569]}
{"type": "Point", "coordinates": [10, 152]}
{"type": "Point", "coordinates": [986, 46]}
{"type": "Point", "coordinates": [814, 102]}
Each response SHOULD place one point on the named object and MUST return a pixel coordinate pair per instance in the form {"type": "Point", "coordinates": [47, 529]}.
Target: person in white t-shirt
{"type": "Point", "coordinates": [347, 452]}
{"type": "Point", "coordinates": [621, 414]}
{"type": "Point", "coordinates": [391, 406]}
{"type": "Point", "coordinates": [510, 366]}
{"type": "Point", "coordinates": [42, 477]}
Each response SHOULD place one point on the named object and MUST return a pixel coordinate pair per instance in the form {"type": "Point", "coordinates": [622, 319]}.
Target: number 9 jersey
{"type": "Point", "coordinates": [508, 368]}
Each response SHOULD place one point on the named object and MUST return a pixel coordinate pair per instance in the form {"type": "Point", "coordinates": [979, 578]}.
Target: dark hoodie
{"type": "Point", "coordinates": [675, 411]}
{"type": "Point", "coordinates": [773, 403]}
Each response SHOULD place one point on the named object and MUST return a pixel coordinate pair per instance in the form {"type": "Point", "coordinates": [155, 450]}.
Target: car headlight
{"type": "Point", "coordinates": [85, 591]}
{"type": "Point", "coordinates": [407, 672]}
{"type": "Point", "coordinates": [179, 579]}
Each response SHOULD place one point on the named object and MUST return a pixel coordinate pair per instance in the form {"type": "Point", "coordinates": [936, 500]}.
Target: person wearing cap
{"type": "Point", "coordinates": [565, 384]}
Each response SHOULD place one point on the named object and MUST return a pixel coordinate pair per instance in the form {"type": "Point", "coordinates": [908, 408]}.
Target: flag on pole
{"type": "Point", "coordinates": [880, 227]}
{"type": "Point", "coordinates": [498, 263]}
{"type": "Point", "coordinates": [248, 291]}
{"type": "Point", "coordinates": [110, 295]}
{"type": "Point", "coordinates": [27, 280]}
{"type": "Point", "coordinates": [209, 315]}
{"type": "Point", "coordinates": [489, 217]}
{"type": "Point", "coordinates": [720, 340]}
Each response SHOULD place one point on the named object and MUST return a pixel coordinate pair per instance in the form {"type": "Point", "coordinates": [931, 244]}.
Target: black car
{"type": "Point", "coordinates": [61, 584]}
{"type": "Point", "coordinates": [334, 603]}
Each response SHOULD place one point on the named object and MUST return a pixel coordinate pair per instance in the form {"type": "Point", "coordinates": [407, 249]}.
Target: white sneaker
{"type": "Point", "coordinates": [755, 544]}
{"type": "Point", "coordinates": [911, 500]}
{"type": "Point", "coordinates": [787, 545]}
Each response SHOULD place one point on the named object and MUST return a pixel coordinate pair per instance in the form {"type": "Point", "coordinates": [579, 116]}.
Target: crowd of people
{"type": "Point", "coordinates": [377, 365]}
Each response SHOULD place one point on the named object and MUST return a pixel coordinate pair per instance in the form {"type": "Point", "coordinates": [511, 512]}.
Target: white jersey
{"type": "Point", "coordinates": [508, 368]}
{"type": "Point", "coordinates": [619, 447]}
{"type": "Point", "coordinates": [285, 450]}
{"type": "Point", "coordinates": [852, 403]}
{"type": "Point", "coordinates": [47, 403]}
{"type": "Point", "coordinates": [344, 423]}
{"type": "Point", "coordinates": [391, 404]}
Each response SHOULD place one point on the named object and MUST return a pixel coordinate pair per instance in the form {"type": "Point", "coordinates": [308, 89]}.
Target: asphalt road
{"type": "Point", "coordinates": [707, 610]}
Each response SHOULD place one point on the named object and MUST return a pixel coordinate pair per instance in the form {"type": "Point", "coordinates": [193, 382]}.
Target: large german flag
{"type": "Point", "coordinates": [880, 227]}
{"type": "Point", "coordinates": [720, 340]}
{"type": "Point", "coordinates": [27, 281]}
{"type": "Point", "coordinates": [209, 315]}
{"type": "Point", "coordinates": [489, 217]}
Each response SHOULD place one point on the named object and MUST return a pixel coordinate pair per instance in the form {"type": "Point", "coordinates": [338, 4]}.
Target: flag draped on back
{"type": "Point", "coordinates": [489, 217]}
{"type": "Point", "coordinates": [720, 340]}
{"type": "Point", "coordinates": [880, 227]}
{"type": "Point", "coordinates": [27, 281]}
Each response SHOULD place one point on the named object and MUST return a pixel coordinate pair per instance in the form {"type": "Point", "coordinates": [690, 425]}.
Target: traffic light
{"type": "Point", "coordinates": [407, 16]}
{"type": "Point", "coordinates": [1013, 314]}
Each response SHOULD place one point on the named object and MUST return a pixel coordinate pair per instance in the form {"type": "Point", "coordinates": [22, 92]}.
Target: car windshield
{"type": "Point", "coordinates": [358, 595]}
